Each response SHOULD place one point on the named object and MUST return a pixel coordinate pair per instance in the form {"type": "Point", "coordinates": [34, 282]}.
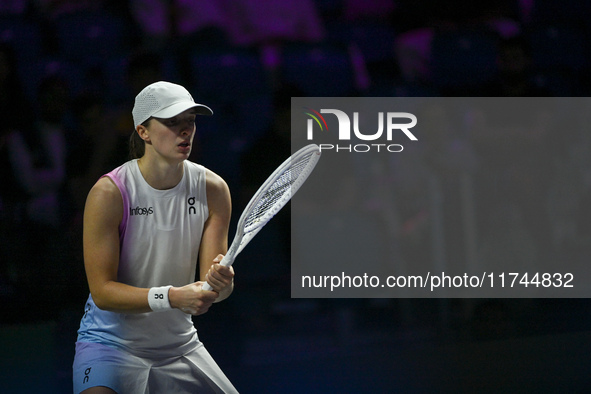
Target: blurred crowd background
{"type": "Point", "coordinates": [69, 72]}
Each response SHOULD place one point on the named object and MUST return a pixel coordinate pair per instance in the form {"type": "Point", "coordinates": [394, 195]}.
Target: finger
{"type": "Point", "coordinates": [225, 272]}
{"type": "Point", "coordinates": [215, 283]}
{"type": "Point", "coordinates": [213, 276]}
{"type": "Point", "coordinates": [203, 294]}
{"type": "Point", "coordinates": [222, 276]}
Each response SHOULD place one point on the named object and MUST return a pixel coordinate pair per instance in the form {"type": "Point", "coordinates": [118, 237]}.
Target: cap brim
{"type": "Point", "coordinates": [177, 108]}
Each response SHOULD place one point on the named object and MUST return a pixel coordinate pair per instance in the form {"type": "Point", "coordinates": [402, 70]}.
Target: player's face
{"type": "Point", "coordinates": [173, 137]}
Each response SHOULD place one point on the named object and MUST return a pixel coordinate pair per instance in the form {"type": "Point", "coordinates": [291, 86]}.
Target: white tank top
{"type": "Point", "coordinates": [160, 234]}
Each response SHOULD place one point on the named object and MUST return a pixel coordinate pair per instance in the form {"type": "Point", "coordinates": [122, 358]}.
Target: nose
{"type": "Point", "coordinates": [187, 128]}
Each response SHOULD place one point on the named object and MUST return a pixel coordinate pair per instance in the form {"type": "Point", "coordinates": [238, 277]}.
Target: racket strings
{"type": "Point", "coordinates": [275, 194]}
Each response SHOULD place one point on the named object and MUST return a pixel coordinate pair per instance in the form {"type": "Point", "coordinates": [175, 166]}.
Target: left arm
{"type": "Point", "coordinates": [214, 241]}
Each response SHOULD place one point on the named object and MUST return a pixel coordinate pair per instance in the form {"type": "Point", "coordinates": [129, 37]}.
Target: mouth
{"type": "Point", "coordinates": [184, 147]}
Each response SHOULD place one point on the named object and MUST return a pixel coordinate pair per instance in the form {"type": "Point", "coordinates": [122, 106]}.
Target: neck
{"type": "Point", "coordinates": [161, 176]}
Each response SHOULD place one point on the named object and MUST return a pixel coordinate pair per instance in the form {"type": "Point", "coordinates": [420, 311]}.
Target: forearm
{"type": "Point", "coordinates": [121, 298]}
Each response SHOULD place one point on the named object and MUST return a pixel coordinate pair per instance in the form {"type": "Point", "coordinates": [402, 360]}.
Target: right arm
{"type": "Point", "coordinates": [102, 215]}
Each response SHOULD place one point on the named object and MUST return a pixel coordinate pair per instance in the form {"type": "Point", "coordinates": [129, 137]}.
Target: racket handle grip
{"type": "Point", "coordinates": [227, 260]}
{"type": "Point", "coordinates": [207, 287]}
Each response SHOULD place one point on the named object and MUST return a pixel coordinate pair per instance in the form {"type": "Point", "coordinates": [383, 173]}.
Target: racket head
{"type": "Point", "coordinates": [273, 194]}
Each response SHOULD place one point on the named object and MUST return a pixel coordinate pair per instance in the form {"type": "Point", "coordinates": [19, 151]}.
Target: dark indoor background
{"type": "Point", "coordinates": [69, 70]}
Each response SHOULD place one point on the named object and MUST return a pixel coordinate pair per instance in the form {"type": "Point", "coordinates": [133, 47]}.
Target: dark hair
{"type": "Point", "coordinates": [137, 146]}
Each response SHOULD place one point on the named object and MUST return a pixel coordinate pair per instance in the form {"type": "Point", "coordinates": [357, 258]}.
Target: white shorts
{"type": "Point", "coordinates": [101, 365]}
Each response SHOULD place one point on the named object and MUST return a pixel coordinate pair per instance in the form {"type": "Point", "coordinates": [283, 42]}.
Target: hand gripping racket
{"type": "Point", "coordinates": [270, 198]}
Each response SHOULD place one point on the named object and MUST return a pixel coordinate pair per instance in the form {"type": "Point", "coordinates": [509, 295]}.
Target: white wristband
{"type": "Point", "coordinates": [158, 298]}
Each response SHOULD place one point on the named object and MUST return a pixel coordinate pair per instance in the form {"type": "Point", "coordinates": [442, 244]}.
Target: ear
{"type": "Point", "coordinates": [143, 132]}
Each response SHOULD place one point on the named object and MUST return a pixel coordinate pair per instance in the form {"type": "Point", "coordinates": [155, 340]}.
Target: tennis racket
{"type": "Point", "coordinates": [270, 198]}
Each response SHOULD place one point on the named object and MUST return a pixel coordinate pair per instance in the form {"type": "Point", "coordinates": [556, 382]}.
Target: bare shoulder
{"type": "Point", "coordinates": [218, 192]}
{"type": "Point", "coordinates": [215, 184]}
{"type": "Point", "coordinates": [105, 199]}
{"type": "Point", "coordinates": [105, 189]}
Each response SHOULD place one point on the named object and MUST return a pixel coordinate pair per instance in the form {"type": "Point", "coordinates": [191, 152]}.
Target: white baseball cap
{"type": "Point", "coordinates": [164, 100]}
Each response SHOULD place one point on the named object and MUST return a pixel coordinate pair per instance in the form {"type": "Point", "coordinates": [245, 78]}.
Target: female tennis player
{"type": "Point", "coordinates": [146, 226]}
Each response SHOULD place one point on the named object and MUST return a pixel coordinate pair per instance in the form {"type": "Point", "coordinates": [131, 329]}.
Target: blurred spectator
{"type": "Point", "coordinates": [54, 8]}
{"type": "Point", "coordinates": [501, 17]}
{"type": "Point", "coordinates": [34, 175]}
{"type": "Point", "coordinates": [40, 153]}
{"type": "Point", "coordinates": [270, 24]}
{"type": "Point", "coordinates": [162, 20]}
{"type": "Point", "coordinates": [414, 46]}
{"type": "Point", "coordinates": [515, 74]}
{"type": "Point", "coordinates": [14, 7]}
{"type": "Point", "coordinates": [413, 51]}
{"type": "Point", "coordinates": [525, 8]}
{"type": "Point", "coordinates": [256, 22]}
{"type": "Point", "coordinates": [359, 10]}
{"type": "Point", "coordinates": [16, 112]}
{"type": "Point", "coordinates": [92, 149]}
